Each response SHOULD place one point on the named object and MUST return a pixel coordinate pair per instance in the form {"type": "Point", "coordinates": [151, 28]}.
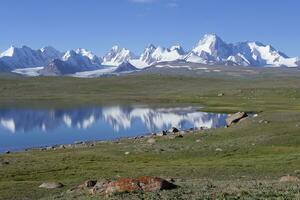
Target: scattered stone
{"type": "Point", "coordinates": [162, 133]}
{"type": "Point", "coordinates": [198, 140]}
{"type": "Point", "coordinates": [49, 148]}
{"type": "Point", "coordinates": [174, 130]}
{"type": "Point", "coordinates": [51, 185]}
{"type": "Point", "coordinates": [219, 149]}
{"type": "Point", "coordinates": [86, 185]}
{"type": "Point", "coordinates": [255, 115]}
{"type": "Point", "coordinates": [90, 183]}
{"type": "Point", "coordinates": [151, 141]}
{"type": "Point", "coordinates": [100, 187]}
{"type": "Point", "coordinates": [127, 153]}
{"type": "Point", "coordinates": [235, 118]}
{"type": "Point", "coordinates": [289, 178]}
{"type": "Point", "coordinates": [263, 121]}
{"type": "Point", "coordinates": [220, 94]}
{"type": "Point", "coordinates": [141, 184]}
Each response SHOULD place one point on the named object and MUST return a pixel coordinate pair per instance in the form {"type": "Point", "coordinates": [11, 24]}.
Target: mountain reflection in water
{"type": "Point", "coordinates": [40, 127]}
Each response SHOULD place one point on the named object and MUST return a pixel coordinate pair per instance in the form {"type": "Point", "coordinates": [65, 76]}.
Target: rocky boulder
{"type": "Point", "coordinates": [235, 118]}
{"type": "Point", "coordinates": [162, 133]}
{"type": "Point", "coordinates": [174, 130]}
{"type": "Point", "coordinates": [141, 184]}
{"type": "Point", "coordinates": [51, 185]}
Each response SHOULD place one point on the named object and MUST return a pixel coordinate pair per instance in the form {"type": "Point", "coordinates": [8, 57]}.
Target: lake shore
{"type": "Point", "coordinates": [249, 157]}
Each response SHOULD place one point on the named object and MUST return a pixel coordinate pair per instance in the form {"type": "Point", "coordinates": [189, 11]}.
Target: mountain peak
{"type": "Point", "coordinates": [9, 52]}
{"type": "Point", "coordinates": [151, 46]}
{"type": "Point", "coordinates": [68, 54]}
{"type": "Point", "coordinates": [208, 40]}
{"type": "Point", "coordinates": [115, 48]}
{"type": "Point", "coordinates": [26, 47]}
{"type": "Point", "coordinates": [212, 46]}
{"type": "Point", "coordinates": [48, 48]}
{"type": "Point", "coordinates": [177, 48]}
{"type": "Point", "coordinates": [94, 59]}
{"type": "Point", "coordinates": [117, 56]}
{"type": "Point", "coordinates": [211, 35]}
{"type": "Point", "coordinates": [84, 52]}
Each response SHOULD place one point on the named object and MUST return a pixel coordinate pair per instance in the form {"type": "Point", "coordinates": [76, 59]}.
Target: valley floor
{"type": "Point", "coordinates": [243, 161]}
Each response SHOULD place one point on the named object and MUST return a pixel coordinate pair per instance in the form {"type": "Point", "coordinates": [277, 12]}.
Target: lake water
{"type": "Point", "coordinates": [26, 128]}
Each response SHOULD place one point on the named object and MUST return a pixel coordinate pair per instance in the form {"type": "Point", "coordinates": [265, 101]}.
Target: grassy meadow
{"type": "Point", "coordinates": [254, 155]}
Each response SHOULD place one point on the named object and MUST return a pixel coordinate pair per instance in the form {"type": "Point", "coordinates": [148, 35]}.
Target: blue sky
{"type": "Point", "coordinates": [99, 24]}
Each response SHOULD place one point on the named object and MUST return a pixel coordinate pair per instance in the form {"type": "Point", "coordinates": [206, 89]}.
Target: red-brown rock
{"type": "Point", "coordinates": [144, 184]}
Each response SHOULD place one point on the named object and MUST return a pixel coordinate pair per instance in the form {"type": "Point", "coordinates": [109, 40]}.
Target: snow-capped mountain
{"type": "Point", "coordinates": [21, 57]}
{"type": "Point", "coordinates": [77, 59]}
{"type": "Point", "coordinates": [72, 62]}
{"type": "Point", "coordinates": [117, 56]}
{"type": "Point", "coordinates": [258, 54]}
{"type": "Point", "coordinates": [94, 59]}
{"type": "Point", "coordinates": [211, 49]}
{"type": "Point", "coordinates": [26, 57]}
{"type": "Point", "coordinates": [152, 55]}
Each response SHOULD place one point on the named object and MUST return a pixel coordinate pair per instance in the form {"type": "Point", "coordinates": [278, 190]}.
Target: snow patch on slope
{"type": "Point", "coordinates": [31, 72]}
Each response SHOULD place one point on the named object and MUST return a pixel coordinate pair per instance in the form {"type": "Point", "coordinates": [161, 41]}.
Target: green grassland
{"type": "Point", "coordinates": [255, 155]}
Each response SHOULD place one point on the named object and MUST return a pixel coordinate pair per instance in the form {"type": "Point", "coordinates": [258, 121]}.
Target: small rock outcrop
{"type": "Point", "coordinates": [141, 184]}
{"type": "Point", "coordinates": [235, 118]}
{"type": "Point", "coordinates": [51, 185]}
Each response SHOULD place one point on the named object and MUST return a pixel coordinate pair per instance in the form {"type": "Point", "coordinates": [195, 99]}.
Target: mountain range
{"type": "Point", "coordinates": [210, 50]}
